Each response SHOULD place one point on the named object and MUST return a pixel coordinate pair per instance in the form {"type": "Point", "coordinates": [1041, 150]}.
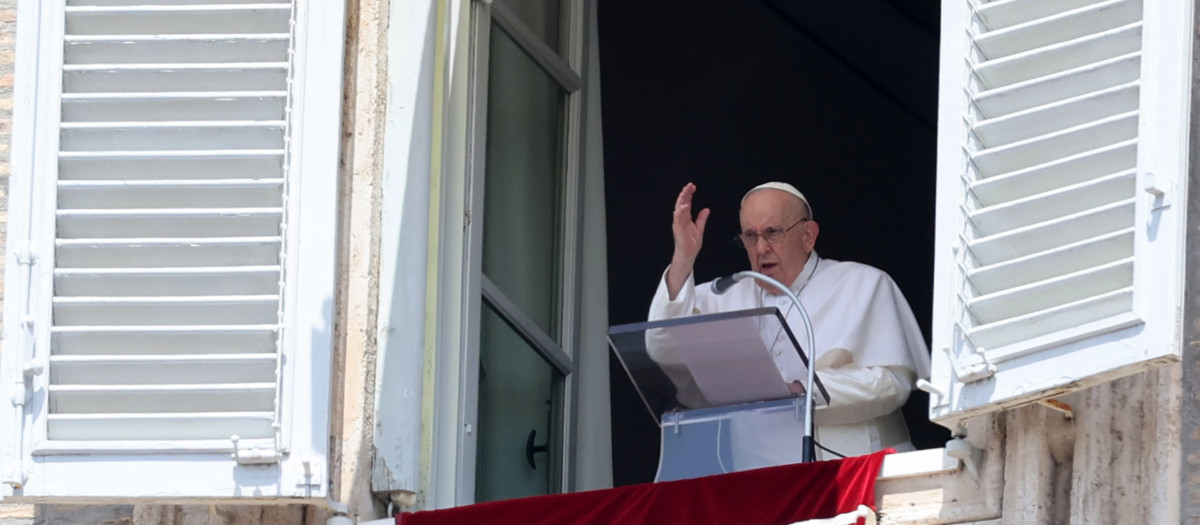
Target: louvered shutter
{"type": "Point", "coordinates": [1062, 164]}
{"type": "Point", "coordinates": [172, 304]}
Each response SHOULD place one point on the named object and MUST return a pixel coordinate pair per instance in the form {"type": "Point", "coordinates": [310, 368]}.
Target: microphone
{"type": "Point", "coordinates": [722, 285]}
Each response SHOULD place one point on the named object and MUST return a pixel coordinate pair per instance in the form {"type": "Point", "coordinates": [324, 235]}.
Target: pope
{"type": "Point", "coordinates": [870, 351]}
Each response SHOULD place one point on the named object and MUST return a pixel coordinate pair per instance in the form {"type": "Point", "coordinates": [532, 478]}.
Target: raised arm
{"type": "Point", "coordinates": [689, 235]}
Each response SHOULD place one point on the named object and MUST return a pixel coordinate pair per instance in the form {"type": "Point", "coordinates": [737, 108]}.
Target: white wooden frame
{"type": "Point", "coordinates": [1049, 370]}
{"type": "Point", "coordinates": [145, 471]}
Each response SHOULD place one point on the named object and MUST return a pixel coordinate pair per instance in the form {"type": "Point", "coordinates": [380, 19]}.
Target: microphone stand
{"type": "Point", "coordinates": [809, 452]}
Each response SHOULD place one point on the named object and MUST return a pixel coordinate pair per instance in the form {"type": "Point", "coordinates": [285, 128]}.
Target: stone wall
{"type": "Point", "coordinates": [9, 514]}
{"type": "Point", "coordinates": [1114, 459]}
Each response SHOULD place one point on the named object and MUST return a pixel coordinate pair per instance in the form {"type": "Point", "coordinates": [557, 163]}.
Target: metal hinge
{"type": "Point", "coordinates": [254, 455]}
{"type": "Point", "coordinates": [971, 372]}
{"type": "Point", "coordinates": [312, 475]}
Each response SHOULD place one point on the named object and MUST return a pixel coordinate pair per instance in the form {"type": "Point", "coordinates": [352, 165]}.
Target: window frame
{"type": "Point", "coordinates": [562, 357]}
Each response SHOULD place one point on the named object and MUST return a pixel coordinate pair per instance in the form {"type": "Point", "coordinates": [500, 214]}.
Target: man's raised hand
{"type": "Point", "coordinates": [689, 236]}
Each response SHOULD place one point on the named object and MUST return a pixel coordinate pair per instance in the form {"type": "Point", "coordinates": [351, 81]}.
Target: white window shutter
{"type": "Point", "coordinates": [177, 333]}
{"type": "Point", "coordinates": [1061, 196]}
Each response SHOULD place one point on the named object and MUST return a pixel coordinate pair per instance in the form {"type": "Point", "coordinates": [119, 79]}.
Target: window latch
{"type": "Point", "coordinates": [254, 455]}
{"type": "Point", "coordinates": [965, 372]}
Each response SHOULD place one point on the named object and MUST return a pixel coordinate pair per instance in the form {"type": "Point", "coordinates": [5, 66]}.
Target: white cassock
{"type": "Point", "coordinates": [869, 354]}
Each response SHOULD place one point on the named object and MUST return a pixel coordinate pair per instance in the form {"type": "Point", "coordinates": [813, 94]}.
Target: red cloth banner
{"type": "Point", "coordinates": [767, 496]}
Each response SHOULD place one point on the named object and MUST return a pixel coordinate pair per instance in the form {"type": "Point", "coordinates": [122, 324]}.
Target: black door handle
{"type": "Point", "coordinates": [530, 449]}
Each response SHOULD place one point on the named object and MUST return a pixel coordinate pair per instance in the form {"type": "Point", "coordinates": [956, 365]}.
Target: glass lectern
{"type": "Point", "coordinates": [713, 384]}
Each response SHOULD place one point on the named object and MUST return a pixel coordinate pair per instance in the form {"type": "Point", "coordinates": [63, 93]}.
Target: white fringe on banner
{"type": "Point", "coordinates": [849, 518]}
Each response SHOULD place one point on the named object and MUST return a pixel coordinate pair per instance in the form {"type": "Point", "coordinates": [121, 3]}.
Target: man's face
{"type": "Point", "coordinates": [774, 209]}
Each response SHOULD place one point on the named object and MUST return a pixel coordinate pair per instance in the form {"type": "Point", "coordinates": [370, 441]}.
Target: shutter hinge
{"type": "Point", "coordinates": [312, 477]}
{"type": "Point", "coordinates": [25, 255]}
{"type": "Point", "coordinates": [33, 368]}
{"type": "Point", "coordinates": [965, 372]}
{"type": "Point", "coordinates": [15, 475]}
{"type": "Point", "coordinates": [1159, 190]}
{"type": "Point", "coordinates": [254, 455]}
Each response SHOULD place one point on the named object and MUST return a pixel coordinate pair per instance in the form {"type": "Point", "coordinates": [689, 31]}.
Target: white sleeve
{"type": "Point", "coordinates": [659, 346]}
{"type": "Point", "coordinates": [863, 393]}
{"type": "Point", "coordinates": [662, 307]}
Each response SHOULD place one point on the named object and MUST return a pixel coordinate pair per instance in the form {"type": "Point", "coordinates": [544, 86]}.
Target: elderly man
{"type": "Point", "coordinates": [869, 349]}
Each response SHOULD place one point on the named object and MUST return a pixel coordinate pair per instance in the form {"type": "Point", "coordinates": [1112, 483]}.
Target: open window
{"type": "Point", "coordinates": [162, 313]}
{"type": "Point", "coordinates": [838, 98]}
{"type": "Point", "coordinates": [1060, 143]}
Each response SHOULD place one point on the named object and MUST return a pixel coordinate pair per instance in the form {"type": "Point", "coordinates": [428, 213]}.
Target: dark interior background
{"type": "Point", "coordinates": [838, 98]}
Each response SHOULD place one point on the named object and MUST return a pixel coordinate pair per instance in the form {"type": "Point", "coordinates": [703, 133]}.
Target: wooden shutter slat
{"type": "Point", "coordinates": [183, 19]}
{"type": "Point", "coordinates": [211, 341]}
{"type": "Point", "coordinates": [186, 310]}
{"type": "Point", "coordinates": [1048, 235]}
{"type": "Point", "coordinates": [1013, 12]}
{"type": "Point", "coordinates": [163, 370]}
{"type": "Point", "coordinates": [169, 223]}
{"type": "Point", "coordinates": [1075, 169]}
{"type": "Point", "coordinates": [159, 389]}
{"type": "Point", "coordinates": [119, 137]}
{"type": "Point", "coordinates": [1060, 144]}
{"type": "Point", "coordinates": [102, 3]}
{"type": "Point", "coordinates": [166, 340]}
{"type": "Point", "coordinates": [1046, 31]}
{"type": "Point", "coordinates": [134, 194]}
{"type": "Point", "coordinates": [150, 155]}
{"type": "Point", "coordinates": [188, 330]}
{"type": "Point", "coordinates": [168, 184]}
{"type": "Point", "coordinates": [1059, 202]}
{"type": "Point", "coordinates": [172, 95]}
{"type": "Point", "coordinates": [158, 109]}
{"type": "Point", "coordinates": [1036, 331]}
{"type": "Point", "coordinates": [193, 49]}
{"type": "Point", "coordinates": [1046, 294]}
{"type": "Point", "coordinates": [203, 77]}
{"type": "Point", "coordinates": [1053, 59]}
{"type": "Point", "coordinates": [160, 252]}
{"type": "Point", "coordinates": [189, 165]}
{"type": "Point", "coordinates": [175, 359]}
{"type": "Point", "coordinates": [1071, 82]}
{"type": "Point", "coordinates": [99, 399]}
{"type": "Point", "coordinates": [171, 197]}
{"type": "Point", "coordinates": [237, 280]}
{"type": "Point", "coordinates": [1057, 116]}
{"type": "Point", "coordinates": [157, 427]}
{"type": "Point", "coordinates": [1059, 261]}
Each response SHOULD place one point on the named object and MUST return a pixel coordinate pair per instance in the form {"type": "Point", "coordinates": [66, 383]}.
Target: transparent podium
{"type": "Point", "coordinates": [713, 384]}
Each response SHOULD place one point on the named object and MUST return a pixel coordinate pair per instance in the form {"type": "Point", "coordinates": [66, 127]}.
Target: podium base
{"type": "Point", "coordinates": [719, 440]}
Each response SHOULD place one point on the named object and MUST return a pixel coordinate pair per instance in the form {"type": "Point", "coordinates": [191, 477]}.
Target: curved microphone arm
{"type": "Point", "coordinates": [809, 452]}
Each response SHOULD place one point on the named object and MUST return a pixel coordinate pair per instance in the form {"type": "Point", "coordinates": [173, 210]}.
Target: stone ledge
{"type": "Point", "coordinates": [17, 511]}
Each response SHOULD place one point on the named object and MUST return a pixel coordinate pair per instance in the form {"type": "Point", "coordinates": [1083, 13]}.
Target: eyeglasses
{"type": "Point", "coordinates": [772, 235]}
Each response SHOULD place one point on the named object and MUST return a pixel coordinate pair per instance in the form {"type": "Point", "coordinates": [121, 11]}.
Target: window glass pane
{"type": "Point", "coordinates": [519, 396]}
{"type": "Point", "coordinates": [521, 223]}
{"type": "Point", "coordinates": [540, 16]}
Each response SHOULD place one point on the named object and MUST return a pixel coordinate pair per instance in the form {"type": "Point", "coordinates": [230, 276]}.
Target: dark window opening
{"type": "Point", "coordinates": [838, 98]}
